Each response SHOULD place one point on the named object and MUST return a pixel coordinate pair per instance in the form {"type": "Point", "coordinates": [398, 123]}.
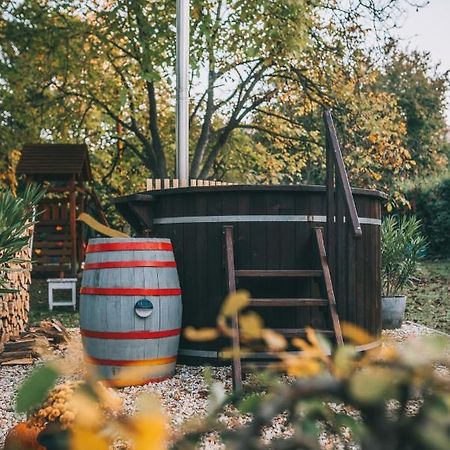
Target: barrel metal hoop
{"type": "Point", "coordinates": [130, 334]}
{"type": "Point", "coordinates": [127, 264]}
{"type": "Point", "coordinates": [140, 362]}
{"type": "Point", "coordinates": [119, 246]}
{"type": "Point", "coordinates": [130, 291]}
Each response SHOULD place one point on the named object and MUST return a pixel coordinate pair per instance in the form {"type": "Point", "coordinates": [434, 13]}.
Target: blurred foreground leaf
{"type": "Point", "coordinates": [35, 388]}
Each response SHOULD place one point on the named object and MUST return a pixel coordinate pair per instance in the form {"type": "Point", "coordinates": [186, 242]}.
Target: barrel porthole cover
{"type": "Point", "coordinates": [143, 308]}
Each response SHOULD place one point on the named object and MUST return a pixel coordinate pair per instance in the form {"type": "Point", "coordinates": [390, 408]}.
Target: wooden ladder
{"type": "Point", "coordinates": [233, 274]}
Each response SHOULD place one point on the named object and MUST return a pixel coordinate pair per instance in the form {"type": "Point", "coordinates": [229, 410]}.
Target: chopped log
{"type": "Point", "coordinates": [19, 362]}
{"type": "Point", "coordinates": [14, 306]}
{"type": "Point", "coordinates": [19, 345]}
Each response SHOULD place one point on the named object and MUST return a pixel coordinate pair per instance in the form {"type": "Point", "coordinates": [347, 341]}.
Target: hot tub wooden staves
{"type": "Point", "coordinates": [273, 229]}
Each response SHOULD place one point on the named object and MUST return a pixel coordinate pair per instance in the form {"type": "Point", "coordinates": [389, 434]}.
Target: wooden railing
{"type": "Point", "coordinates": [343, 225]}
{"type": "Point", "coordinates": [337, 184]}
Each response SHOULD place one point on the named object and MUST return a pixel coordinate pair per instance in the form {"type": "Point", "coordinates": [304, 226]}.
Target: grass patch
{"type": "Point", "coordinates": [39, 306]}
{"type": "Point", "coordinates": [429, 298]}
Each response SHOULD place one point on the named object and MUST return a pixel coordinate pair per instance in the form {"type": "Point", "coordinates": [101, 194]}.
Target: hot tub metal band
{"type": "Point", "coordinates": [256, 218]}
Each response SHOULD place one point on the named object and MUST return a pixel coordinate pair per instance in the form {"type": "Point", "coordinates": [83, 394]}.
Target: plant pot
{"type": "Point", "coordinates": [392, 311]}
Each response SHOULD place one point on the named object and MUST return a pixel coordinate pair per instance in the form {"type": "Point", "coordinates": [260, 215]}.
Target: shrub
{"type": "Point", "coordinates": [402, 245]}
{"type": "Point", "coordinates": [430, 201]}
{"type": "Point", "coordinates": [16, 216]}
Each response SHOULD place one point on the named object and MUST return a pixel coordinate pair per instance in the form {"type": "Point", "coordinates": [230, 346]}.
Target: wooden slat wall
{"type": "Point", "coordinates": [156, 184]}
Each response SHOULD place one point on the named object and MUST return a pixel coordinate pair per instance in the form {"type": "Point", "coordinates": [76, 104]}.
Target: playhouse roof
{"type": "Point", "coordinates": [55, 161]}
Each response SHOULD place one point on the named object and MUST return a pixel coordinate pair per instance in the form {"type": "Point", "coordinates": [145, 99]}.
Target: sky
{"type": "Point", "coordinates": [429, 29]}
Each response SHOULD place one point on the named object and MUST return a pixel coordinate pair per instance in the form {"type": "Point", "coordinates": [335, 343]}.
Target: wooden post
{"type": "Point", "coordinates": [73, 225]}
{"type": "Point", "coordinates": [231, 278]}
{"type": "Point", "coordinates": [331, 207]}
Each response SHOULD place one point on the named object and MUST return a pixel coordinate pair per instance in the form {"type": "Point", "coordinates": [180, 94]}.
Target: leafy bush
{"type": "Point", "coordinates": [16, 216]}
{"type": "Point", "coordinates": [430, 201]}
{"type": "Point", "coordinates": [402, 245]}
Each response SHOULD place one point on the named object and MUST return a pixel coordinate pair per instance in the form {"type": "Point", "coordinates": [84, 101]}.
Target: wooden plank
{"type": "Point", "coordinates": [299, 332]}
{"type": "Point", "coordinates": [297, 302]}
{"type": "Point", "coordinates": [50, 268]}
{"type": "Point", "coordinates": [63, 251]}
{"type": "Point", "coordinates": [281, 273]}
{"type": "Point", "coordinates": [52, 244]}
{"type": "Point", "coordinates": [329, 286]}
{"type": "Point", "coordinates": [231, 280]}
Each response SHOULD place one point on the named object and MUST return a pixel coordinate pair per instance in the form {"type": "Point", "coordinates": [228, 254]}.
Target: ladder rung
{"type": "Point", "coordinates": [300, 332]}
{"type": "Point", "coordinates": [278, 273]}
{"type": "Point", "coordinates": [274, 302]}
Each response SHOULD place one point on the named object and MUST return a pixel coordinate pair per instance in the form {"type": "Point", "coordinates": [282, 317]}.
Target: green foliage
{"type": "Point", "coordinates": [16, 216]}
{"type": "Point", "coordinates": [35, 388]}
{"type": "Point", "coordinates": [387, 398]}
{"type": "Point", "coordinates": [420, 87]}
{"type": "Point", "coordinates": [402, 246]}
{"type": "Point", "coordinates": [430, 201]}
{"type": "Point", "coordinates": [103, 72]}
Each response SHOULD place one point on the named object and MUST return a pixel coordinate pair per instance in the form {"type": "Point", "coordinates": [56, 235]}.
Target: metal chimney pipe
{"type": "Point", "coordinates": [182, 108]}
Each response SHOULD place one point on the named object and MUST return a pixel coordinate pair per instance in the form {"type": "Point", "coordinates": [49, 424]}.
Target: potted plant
{"type": "Point", "coordinates": [402, 246]}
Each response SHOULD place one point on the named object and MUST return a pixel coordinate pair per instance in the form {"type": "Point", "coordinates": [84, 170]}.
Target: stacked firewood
{"type": "Point", "coordinates": [34, 343]}
{"type": "Point", "coordinates": [14, 306]}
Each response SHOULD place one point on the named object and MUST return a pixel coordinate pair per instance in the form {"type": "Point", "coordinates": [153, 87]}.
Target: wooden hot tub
{"type": "Point", "coordinates": [273, 229]}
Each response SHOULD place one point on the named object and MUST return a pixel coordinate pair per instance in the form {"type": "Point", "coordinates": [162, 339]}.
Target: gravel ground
{"type": "Point", "coordinates": [183, 397]}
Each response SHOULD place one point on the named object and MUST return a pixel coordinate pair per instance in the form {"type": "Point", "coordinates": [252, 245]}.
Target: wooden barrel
{"type": "Point", "coordinates": [130, 309]}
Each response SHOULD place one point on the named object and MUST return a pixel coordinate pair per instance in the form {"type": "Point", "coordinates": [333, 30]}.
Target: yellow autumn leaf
{"type": "Point", "coordinates": [356, 334]}
{"type": "Point", "coordinates": [251, 325]}
{"type": "Point", "coordinates": [372, 385]}
{"type": "Point", "coordinates": [82, 439]}
{"type": "Point", "coordinates": [108, 398]}
{"type": "Point", "coordinates": [297, 366]}
{"type": "Point", "coordinates": [274, 341]}
{"type": "Point", "coordinates": [228, 352]}
{"type": "Point", "coordinates": [88, 415]}
{"type": "Point", "coordinates": [234, 303]}
{"type": "Point", "coordinates": [147, 429]}
{"type": "Point", "coordinates": [310, 351]}
{"type": "Point", "coordinates": [135, 375]}
{"type": "Point", "coordinates": [201, 334]}
{"type": "Point", "coordinates": [344, 361]}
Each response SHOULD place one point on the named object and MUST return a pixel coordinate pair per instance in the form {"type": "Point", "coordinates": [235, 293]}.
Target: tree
{"type": "Point", "coordinates": [97, 67]}
{"type": "Point", "coordinates": [420, 88]}
{"type": "Point", "coordinates": [117, 59]}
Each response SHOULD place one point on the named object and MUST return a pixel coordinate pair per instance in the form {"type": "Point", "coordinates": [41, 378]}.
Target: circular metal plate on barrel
{"type": "Point", "coordinates": [143, 308]}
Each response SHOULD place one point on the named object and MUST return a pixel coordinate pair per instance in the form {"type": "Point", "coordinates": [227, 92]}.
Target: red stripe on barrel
{"type": "Point", "coordinates": [130, 291]}
{"type": "Point", "coordinates": [130, 334]}
{"type": "Point", "coordinates": [119, 246]}
{"type": "Point", "coordinates": [125, 264]}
